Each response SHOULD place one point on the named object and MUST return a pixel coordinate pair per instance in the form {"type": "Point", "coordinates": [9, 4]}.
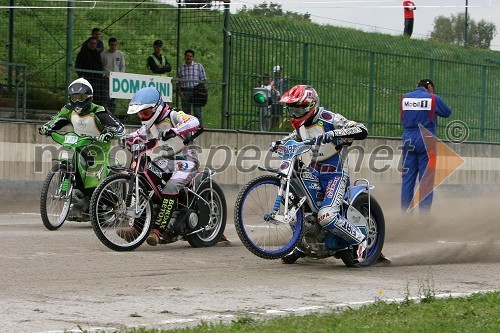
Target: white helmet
{"type": "Point", "coordinates": [148, 104]}
{"type": "Point", "coordinates": [80, 95]}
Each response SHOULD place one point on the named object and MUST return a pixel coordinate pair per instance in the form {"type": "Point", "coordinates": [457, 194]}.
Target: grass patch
{"type": "Point", "coordinates": [476, 313]}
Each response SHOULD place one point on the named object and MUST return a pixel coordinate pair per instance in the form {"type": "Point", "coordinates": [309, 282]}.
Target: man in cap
{"type": "Point", "coordinates": [157, 62]}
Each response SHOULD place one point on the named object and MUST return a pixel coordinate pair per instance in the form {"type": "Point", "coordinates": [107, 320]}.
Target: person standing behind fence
{"type": "Point", "coordinates": [96, 33]}
{"type": "Point", "coordinates": [87, 64]}
{"type": "Point", "coordinates": [269, 120]}
{"type": "Point", "coordinates": [420, 108]}
{"type": "Point", "coordinates": [113, 60]}
{"type": "Point", "coordinates": [157, 62]}
{"type": "Point", "coordinates": [408, 8]}
{"type": "Point", "coordinates": [190, 74]}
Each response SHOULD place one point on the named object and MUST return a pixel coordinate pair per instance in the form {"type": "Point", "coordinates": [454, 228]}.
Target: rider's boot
{"type": "Point", "coordinates": [166, 209]}
{"type": "Point", "coordinates": [350, 232]}
{"type": "Point", "coordinates": [78, 206]}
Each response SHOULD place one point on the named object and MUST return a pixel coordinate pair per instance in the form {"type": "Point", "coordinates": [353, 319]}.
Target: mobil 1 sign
{"type": "Point", "coordinates": [125, 85]}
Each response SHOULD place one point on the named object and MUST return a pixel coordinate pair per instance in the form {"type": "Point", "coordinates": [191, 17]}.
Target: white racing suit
{"type": "Point", "coordinates": [175, 157]}
{"type": "Point", "coordinates": [332, 169]}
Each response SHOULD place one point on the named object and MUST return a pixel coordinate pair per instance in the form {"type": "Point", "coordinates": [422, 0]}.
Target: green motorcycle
{"type": "Point", "coordinates": [82, 163]}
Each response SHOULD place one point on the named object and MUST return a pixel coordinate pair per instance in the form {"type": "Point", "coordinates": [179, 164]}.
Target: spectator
{"type": "Point", "coordinates": [96, 33]}
{"type": "Point", "coordinates": [89, 66]}
{"type": "Point", "coordinates": [408, 7]}
{"type": "Point", "coordinates": [157, 62]}
{"type": "Point", "coordinates": [190, 74]}
{"type": "Point", "coordinates": [268, 119]}
{"type": "Point", "coordinates": [113, 60]}
{"type": "Point", "coordinates": [419, 108]}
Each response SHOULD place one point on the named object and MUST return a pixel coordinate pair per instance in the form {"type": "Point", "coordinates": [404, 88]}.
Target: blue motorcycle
{"type": "Point", "coordinates": [275, 215]}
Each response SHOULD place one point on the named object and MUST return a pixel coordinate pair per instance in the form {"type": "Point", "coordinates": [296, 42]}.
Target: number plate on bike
{"type": "Point", "coordinates": [70, 139]}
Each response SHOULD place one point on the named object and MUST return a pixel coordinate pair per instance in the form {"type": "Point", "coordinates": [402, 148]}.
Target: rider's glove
{"type": "Point", "coordinates": [167, 134]}
{"type": "Point", "coordinates": [326, 137]}
{"type": "Point", "coordinates": [44, 130]}
{"type": "Point", "coordinates": [273, 146]}
{"type": "Point", "coordinates": [105, 137]}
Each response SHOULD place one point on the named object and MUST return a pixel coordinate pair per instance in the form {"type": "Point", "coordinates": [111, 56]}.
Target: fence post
{"type": "Point", "coordinates": [11, 44]}
{"type": "Point", "coordinates": [225, 69]}
{"type": "Point", "coordinates": [305, 62]}
{"type": "Point", "coordinates": [371, 91]}
{"type": "Point", "coordinates": [69, 45]}
{"type": "Point", "coordinates": [483, 101]}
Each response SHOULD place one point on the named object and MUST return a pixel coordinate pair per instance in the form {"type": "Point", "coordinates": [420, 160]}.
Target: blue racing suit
{"type": "Point", "coordinates": [419, 107]}
{"type": "Point", "coordinates": [332, 168]}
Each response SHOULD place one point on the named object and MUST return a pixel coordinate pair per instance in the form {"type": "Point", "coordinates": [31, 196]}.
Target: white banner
{"type": "Point", "coordinates": [125, 85]}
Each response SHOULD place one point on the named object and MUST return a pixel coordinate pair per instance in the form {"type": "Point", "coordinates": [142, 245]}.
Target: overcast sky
{"type": "Point", "coordinates": [386, 16]}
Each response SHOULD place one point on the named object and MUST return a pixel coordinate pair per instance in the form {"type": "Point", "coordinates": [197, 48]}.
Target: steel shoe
{"type": "Point", "coordinates": [361, 251]}
{"type": "Point", "coordinates": [154, 237]}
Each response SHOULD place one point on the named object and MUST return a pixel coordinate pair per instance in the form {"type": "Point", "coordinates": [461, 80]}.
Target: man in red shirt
{"type": "Point", "coordinates": [408, 7]}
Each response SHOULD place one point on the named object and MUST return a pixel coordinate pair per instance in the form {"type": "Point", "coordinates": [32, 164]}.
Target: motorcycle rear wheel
{"type": "Point", "coordinates": [375, 232]}
{"type": "Point", "coordinates": [108, 214]}
{"type": "Point", "coordinates": [55, 198]}
{"type": "Point", "coordinates": [217, 212]}
{"type": "Point", "coordinates": [262, 235]}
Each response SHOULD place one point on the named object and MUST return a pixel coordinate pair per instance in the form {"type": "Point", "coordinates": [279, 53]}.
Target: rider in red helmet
{"type": "Point", "coordinates": [335, 133]}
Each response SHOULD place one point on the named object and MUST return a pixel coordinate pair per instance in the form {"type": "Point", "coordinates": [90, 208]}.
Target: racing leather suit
{"type": "Point", "coordinates": [179, 159]}
{"type": "Point", "coordinates": [332, 168]}
{"type": "Point", "coordinates": [419, 108]}
{"type": "Point", "coordinates": [94, 122]}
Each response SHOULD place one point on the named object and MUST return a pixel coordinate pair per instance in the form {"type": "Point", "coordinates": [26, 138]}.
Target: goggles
{"type": "Point", "coordinates": [297, 112]}
{"type": "Point", "coordinates": [146, 114]}
{"type": "Point", "coordinates": [79, 97]}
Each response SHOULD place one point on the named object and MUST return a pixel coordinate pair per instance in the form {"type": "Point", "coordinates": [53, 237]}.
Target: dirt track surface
{"type": "Point", "coordinates": [57, 280]}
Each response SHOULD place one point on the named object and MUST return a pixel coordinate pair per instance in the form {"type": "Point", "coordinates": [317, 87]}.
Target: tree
{"type": "Point", "coordinates": [273, 10]}
{"type": "Point", "coordinates": [451, 30]}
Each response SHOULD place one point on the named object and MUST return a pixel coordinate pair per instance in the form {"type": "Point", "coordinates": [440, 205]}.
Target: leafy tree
{"type": "Point", "coordinates": [273, 10]}
{"type": "Point", "coordinates": [451, 30]}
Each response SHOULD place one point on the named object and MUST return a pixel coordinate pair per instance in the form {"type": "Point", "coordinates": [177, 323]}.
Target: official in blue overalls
{"type": "Point", "coordinates": [419, 107]}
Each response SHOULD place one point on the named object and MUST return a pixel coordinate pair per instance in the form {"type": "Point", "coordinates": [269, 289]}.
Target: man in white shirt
{"type": "Point", "coordinates": [190, 74]}
{"type": "Point", "coordinates": [113, 60]}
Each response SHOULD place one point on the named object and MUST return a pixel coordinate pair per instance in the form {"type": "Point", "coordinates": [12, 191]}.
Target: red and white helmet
{"type": "Point", "coordinates": [302, 102]}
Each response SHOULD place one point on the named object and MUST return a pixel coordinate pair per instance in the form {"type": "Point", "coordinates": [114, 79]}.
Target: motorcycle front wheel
{"type": "Point", "coordinates": [210, 206]}
{"type": "Point", "coordinates": [259, 232]}
{"type": "Point", "coordinates": [55, 199]}
{"type": "Point", "coordinates": [112, 207]}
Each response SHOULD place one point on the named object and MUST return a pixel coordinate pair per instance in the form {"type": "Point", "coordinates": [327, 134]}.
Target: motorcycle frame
{"type": "Point", "coordinates": [139, 174]}
{"type": "Point", "coordinates": [289, 172]}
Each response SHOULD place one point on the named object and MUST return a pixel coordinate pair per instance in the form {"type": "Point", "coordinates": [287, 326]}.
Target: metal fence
{"type": "Point", "coordinates": [358, 82]}
{"type": "Point", "coordinates": [13, 90]}
{"type": "Point", "coordinates": [359, 75]}
{"type": "Point", "coordinates": [39, 33]}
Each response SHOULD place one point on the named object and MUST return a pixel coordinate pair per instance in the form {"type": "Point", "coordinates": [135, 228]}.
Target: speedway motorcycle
{"type": "Point", "coordinates": [80, 167]}
{"type": "Point", "coordinates": [131, 197]}
{"type": "Point", "coordinates": [275, 215]}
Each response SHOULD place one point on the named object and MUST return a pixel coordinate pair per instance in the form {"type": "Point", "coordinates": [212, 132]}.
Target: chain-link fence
{"type": "Point", "coordinates": [40, 32]}
{"type": "Point", "coordinates": [13, 90]}
{"type": "Point", "coordinates": [360, 75]}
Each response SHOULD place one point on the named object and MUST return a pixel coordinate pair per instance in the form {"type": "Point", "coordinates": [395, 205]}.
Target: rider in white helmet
{"type": "Point", "coordinates": [335, 133]}
{"type": "Point", "coordinates": [163, 123]}
{"type": "Point", "coordinates": [87, 119]}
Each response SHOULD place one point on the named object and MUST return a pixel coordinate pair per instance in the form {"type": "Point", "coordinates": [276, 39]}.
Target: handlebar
{"type": "Point", "coordinates": [311, 141]}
